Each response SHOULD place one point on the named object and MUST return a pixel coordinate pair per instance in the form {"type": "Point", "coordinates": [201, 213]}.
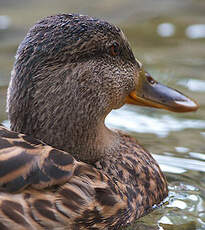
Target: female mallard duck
{"type": "Point", "coordinates": [70, 72]}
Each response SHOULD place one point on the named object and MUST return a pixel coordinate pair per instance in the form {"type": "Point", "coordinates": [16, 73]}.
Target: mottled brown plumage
{"type": "Point", "coordinates": [70, 72]}
{"type": "Point", "coordinates": [53, 190]}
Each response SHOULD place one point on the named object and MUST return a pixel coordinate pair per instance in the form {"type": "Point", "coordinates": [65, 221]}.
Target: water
{"type": "Point", "coordinates": [169, 38]}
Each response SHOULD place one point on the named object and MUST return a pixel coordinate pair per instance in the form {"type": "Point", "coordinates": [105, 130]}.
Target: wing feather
{"type": "Point", "coordinates": [26, 161]}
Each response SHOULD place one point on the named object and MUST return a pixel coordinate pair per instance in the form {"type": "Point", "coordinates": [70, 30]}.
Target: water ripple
{"type": "Point", "coordinates": [5, 22]}
{"type": "Point", "coordinates": [193, 84]}
{"type": "Point", "coordinates": [161, 125]}
{"type": "Point", "coordinates": [196, 31]}
{"type": "Point", "coordinates": [178, 165]}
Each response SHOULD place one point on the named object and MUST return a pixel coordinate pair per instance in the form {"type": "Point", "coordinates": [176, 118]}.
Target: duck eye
{"type": "Point", "coordinates": [114, 49]}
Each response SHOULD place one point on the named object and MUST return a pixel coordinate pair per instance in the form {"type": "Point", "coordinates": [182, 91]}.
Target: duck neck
{"type": "Point", "coordinates": [90, 142]}
{"type": "Point", "coordinates": [87, 140]}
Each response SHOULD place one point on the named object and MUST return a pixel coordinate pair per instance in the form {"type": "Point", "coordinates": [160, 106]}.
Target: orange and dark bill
{"type": "Point", "coordinates": [153, 94]}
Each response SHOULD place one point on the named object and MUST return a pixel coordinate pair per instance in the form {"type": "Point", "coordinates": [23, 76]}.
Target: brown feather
{"type": "Point", "coordinates": [90, 197]}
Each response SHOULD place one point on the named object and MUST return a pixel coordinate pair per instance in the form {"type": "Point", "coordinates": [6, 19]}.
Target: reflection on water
{"type": "Point", "coordinates": [166, 29]}
{"type": "Point", "coordinates": [173, 48]}
{"type": "Point", "coordinates": [5, 21]}
{"type": "Point", "coordinates": [200, 156]}
{"type": "Point", "coordinates": [129, 119]}
{"type": "Point", "coordinates": [180, 164]}
{"type": "Point", "coordinates": [193, 84]}
{"type": "Point", "coordinates": [196, 31]}
{"type": "Point", "coordinates": [181, 149]}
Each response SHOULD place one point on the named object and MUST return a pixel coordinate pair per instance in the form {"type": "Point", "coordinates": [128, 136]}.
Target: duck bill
{"type": "Point", "coordinates": [153, 94]}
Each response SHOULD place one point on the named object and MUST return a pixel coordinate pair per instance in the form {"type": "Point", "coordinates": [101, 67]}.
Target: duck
{"type": "Point", "coordinates": [60, 166]}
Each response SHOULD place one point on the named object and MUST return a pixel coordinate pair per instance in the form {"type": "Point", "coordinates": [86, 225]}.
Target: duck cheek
{"type": "Point", "coordinates": [119, 105]}
{"type": "Point", "coordinates": [118, 100]}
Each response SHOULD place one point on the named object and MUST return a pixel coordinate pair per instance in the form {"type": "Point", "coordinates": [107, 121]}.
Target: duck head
{"type": "Point", "coordinates": [70, 72]}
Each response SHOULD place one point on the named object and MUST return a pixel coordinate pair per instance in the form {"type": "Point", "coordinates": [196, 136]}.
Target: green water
{"type": "Point", "coordinates": [168, 36]}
